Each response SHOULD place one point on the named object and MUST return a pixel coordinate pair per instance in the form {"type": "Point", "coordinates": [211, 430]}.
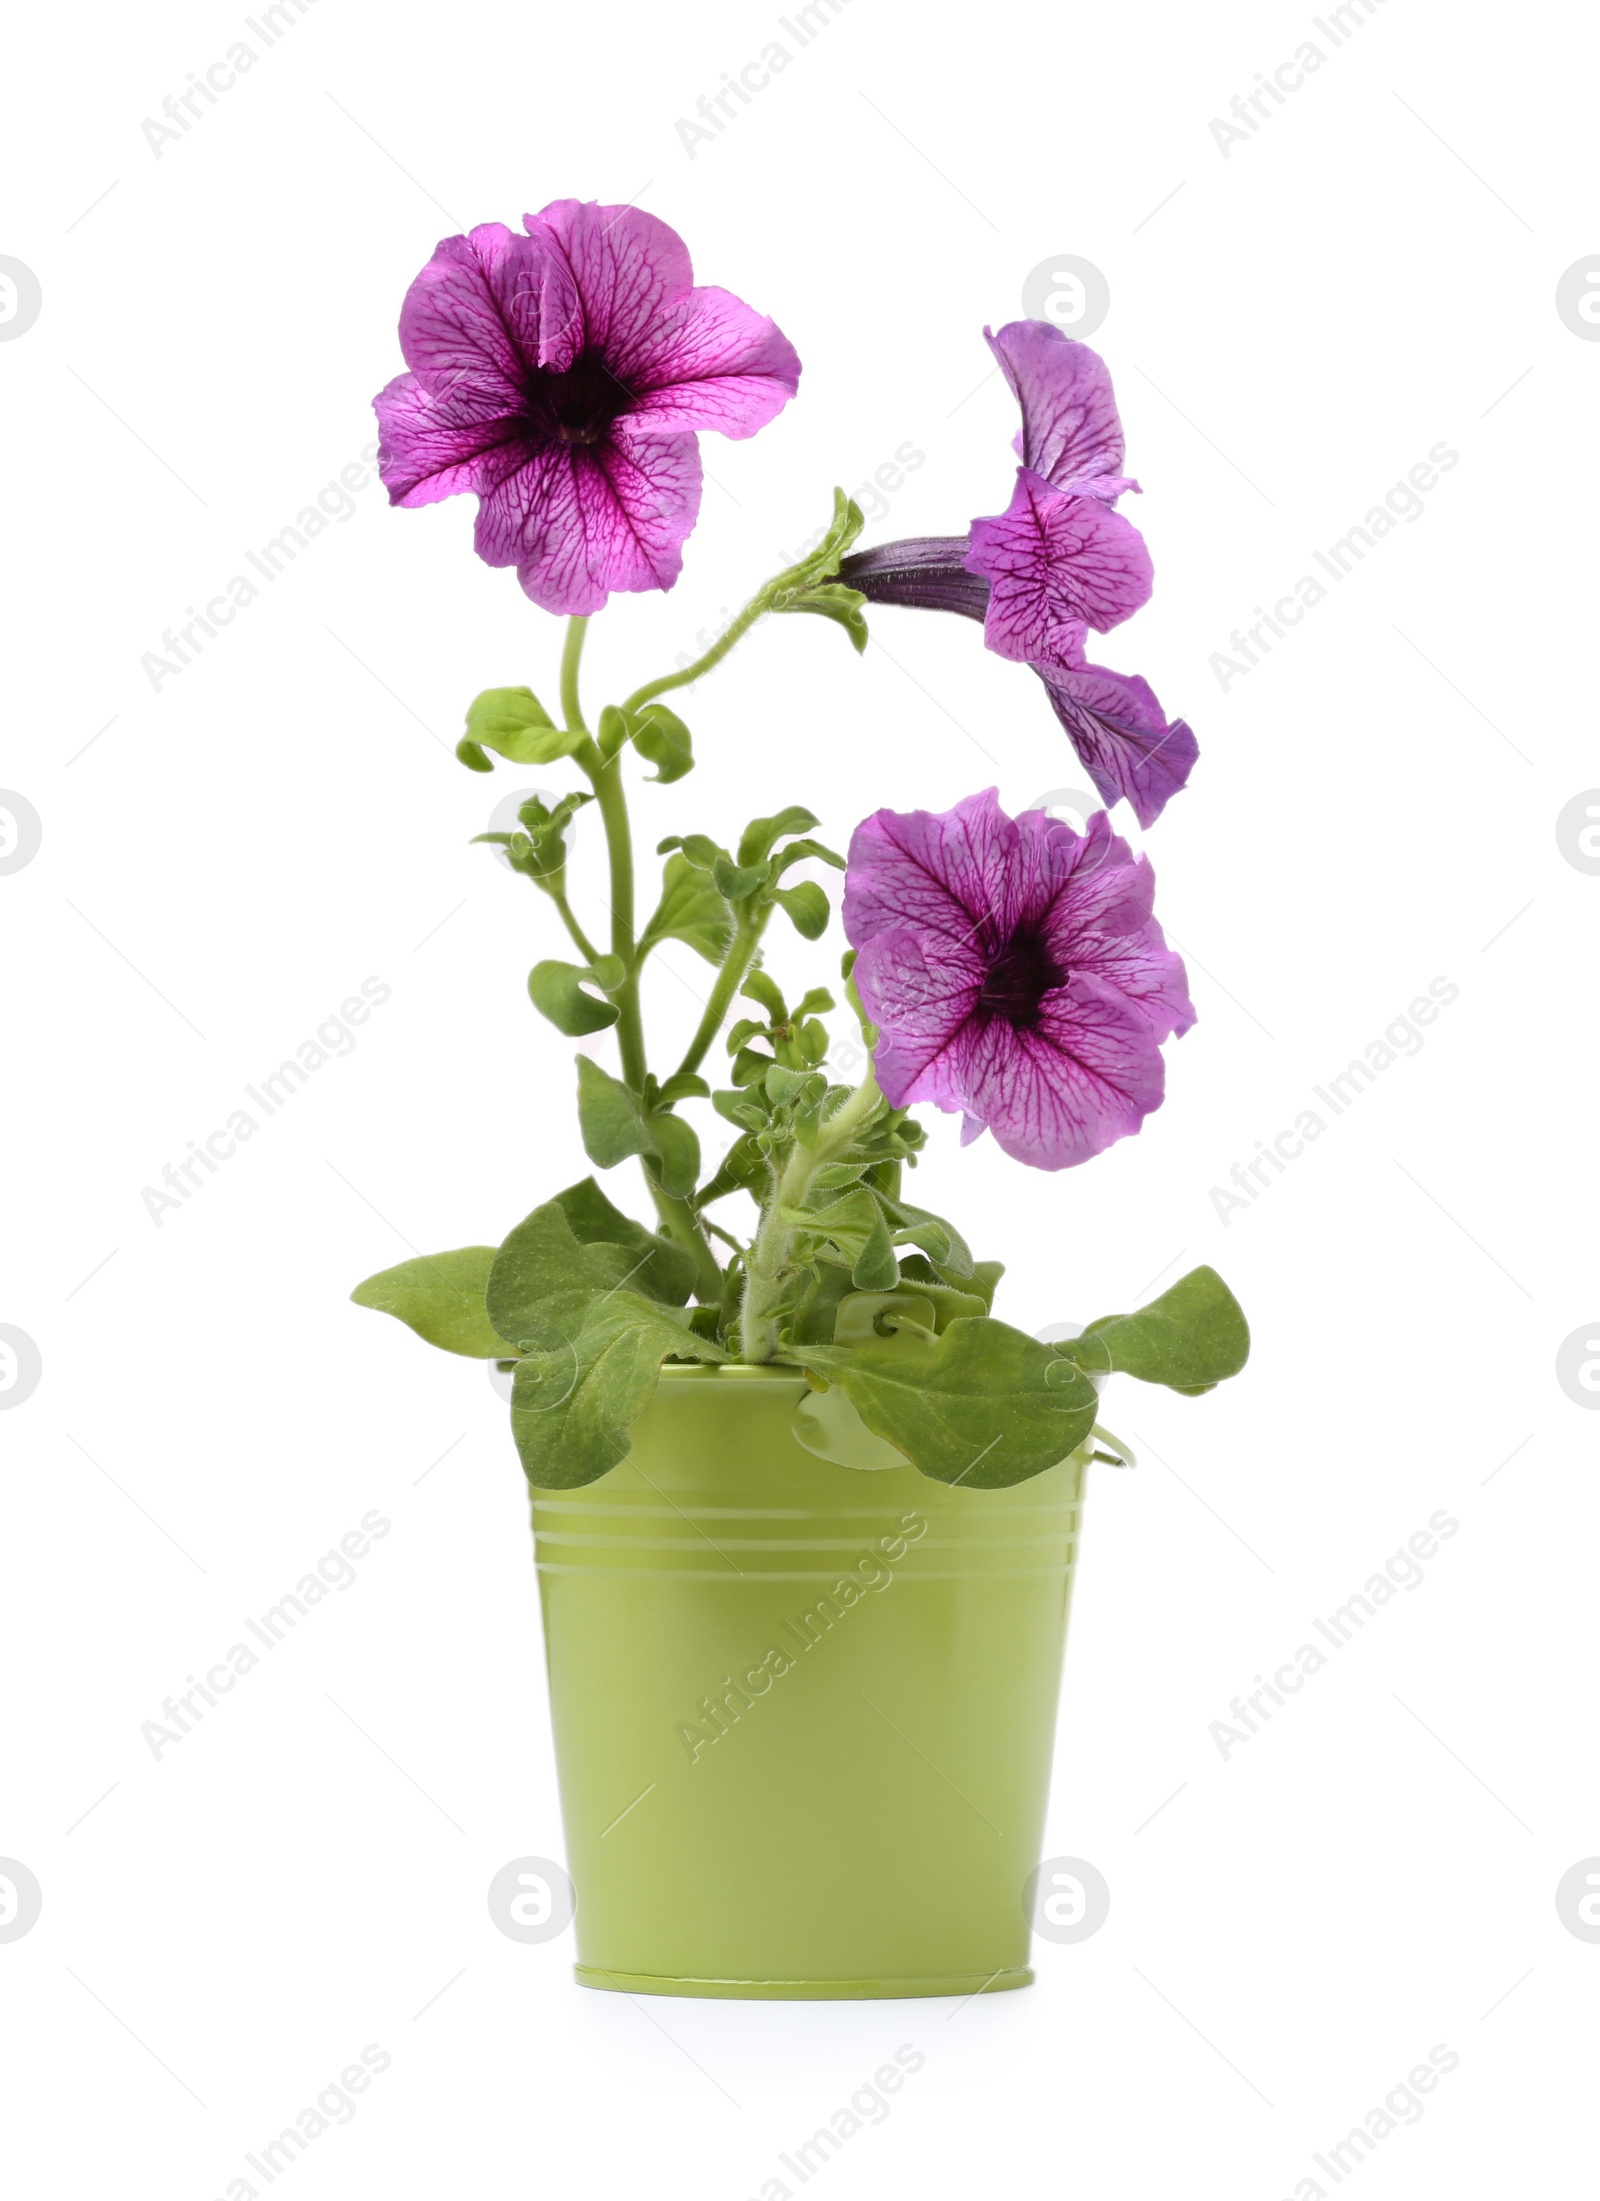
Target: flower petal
{"type": "Point", "coordinates": [1056, 564]}
{"type": "Point", "coordinates": [486, 308]}
{"type": "Point", "coordinates": [1100, 923]}
{"type": "Point", "coordinates": [713, 362]}
{"type": "Point", "coordinates": [919, 990]}
{"type": "Point", "coordinates": [688, 358]}
{"type": "Point", "coordinates": [431, 447]}
{"type": "Point", "coordinates": [940, 873]}
{"type": "Point", "coordinates": [1122, 736]}
{"type": "Point", "coordinates": [1070, 427]}
{"type": "Point", "coordinates": [1086, 1075]}
{"type": "Point", "coordinates": [578, 522]}
{"type": "Point", "coordinates": [630, 272]}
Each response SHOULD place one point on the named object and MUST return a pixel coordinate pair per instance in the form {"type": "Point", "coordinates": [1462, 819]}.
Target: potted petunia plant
{"type": "Point", "coordinates": [805, 1506]}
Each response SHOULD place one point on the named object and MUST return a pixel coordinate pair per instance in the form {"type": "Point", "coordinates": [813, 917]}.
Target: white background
{"type": "Point", "coordinates": [1292, 327]}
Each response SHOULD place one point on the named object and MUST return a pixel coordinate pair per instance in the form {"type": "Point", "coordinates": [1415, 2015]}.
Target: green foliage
{"type": "Point", "coordinates": [614, 1125]}
{"type": "Point", "coordinates": [756, 841]}
{"type": "Point", "coordinates": [580, 1386]}
{"type": "Point", "coordinates": [441, 1297]}
{"type": "Point", "coordinates": [557, 991]}
{"type": "Point", "coordinates": [979, 1403]}
{"type": "Point", "coordinates": [879, 1300]}
{"type": "Point", "coordinates": [591, 1341]}
{"type": "Point", "coordinates": [516, 725]}
{"type": "Point", "coordinates": [833, 601]}
{"type": "Point", "coordinates": [663, 740]}
{"type": "Point", "coordinates": [983, 1405]}
{"type": "Point", "coordinates": [806, 906]}
{"type": "Point", "coordinates": [654, 1265]}
{"type": "Point", "coordinates": [822, 563]}
{"type": "Point", "coordinates": [690, 910]}
{"type": "Point", "coordinates": [539, 851]}
{"type": "Point", "coordinates": [1189, 1339]}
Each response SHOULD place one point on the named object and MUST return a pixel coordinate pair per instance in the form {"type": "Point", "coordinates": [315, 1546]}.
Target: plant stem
{"type": "Point", "coordinates": [729, 979]}
{"type": "Point", "coordinates": [678, 1219]}
{"type": "Point", "coordinates": [580, 939]}
{"type": "Point", "coordinates": [719, 649]}
{"type": "Point", "coordinates": [571, 656]}
{"type": "Point", "coordinates": [605, 777]}
{"type": "Point", "coordinates": [775, 1237]}
{"type": "Point", "coordinates": [680, 1223]}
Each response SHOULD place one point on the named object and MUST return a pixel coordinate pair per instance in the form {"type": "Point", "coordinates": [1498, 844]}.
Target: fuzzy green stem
{"type": "Point", "coordinates": [580, 939]}
{"type": "Point", "coordinates": [605, 777]}
{"type": "Point", "coordinates": [747, 934]}
{"type": "Point", "coordinates": [770, 1252]}
{"type": "Point", "coordinates": [571, 657]}
{"type": "Point", "coordinates": [678, 1219]}
{"type": "Point", "coordinates": [719, 649]}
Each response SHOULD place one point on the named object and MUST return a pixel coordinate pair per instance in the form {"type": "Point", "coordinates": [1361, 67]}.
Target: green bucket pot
{"type": "Point", "coordinates": [803, 1714]}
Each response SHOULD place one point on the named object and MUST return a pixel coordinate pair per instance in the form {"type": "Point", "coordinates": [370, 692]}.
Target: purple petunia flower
{"type": "Point", "coordinates": [1015, 973]}
{"type": "Point", "coordinates": [1057, 563]}
{"type": "Point", "coordinates": [561, 376]}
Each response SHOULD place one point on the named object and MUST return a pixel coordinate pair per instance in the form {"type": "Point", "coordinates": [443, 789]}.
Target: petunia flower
{"type": "Point", "coordinates": [1015, 973]}
{"type": "Point", "coordinates": [561, 376]}
{"type": "Point", "coordinates": [1057, 563]}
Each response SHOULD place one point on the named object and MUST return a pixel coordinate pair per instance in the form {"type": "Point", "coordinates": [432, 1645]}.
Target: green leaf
{"type": "Point", "coordinates": [663, 740]}
{"type": "Point", "coordinates": [821, 1289]}
{"type": "Point", "coordinates": [610, 1118]}
{"type": "Point", "coordinates": [514, 723]}
{"type": "Point", "coordinates": [683, 1085]}
{"type": "Point", "coordinates": [823, 562]}
{"type": "Point", "coordinates": [612, 731]}
{"type": "Point", "coordinates": [750, 1066]}
{"type": "Point", "coordinates": [745, 1108]}
{"type": "Point", "coordinates": [1190, 1339]}
{"type": "Point", "coordinates": [836, 602]}
{"type": "Point", "coordinates": [950, 1305]}
{"type": "Point", "coordinates": [614, 1125]}
{"type": "Point", "coordinates": [742, 1169]}
{"type": "Point", "coordinates": [806, 906]}
{"type": "Point", "coordinates": [543, 1275]}
{"type": "Point", "coordinates": [539, 851]}
{"type": "Point", "coordinates": [939, 1240]}
{"type": "Point", "coordinates": [982, 1282]}
{"type": "Point", "coordinates": [691, 910]}
{"type": "Point", "coordinates": [441, 1297]}
{"type": "Point", "coordinates": [759, 987]}
{"type": "Point", "coordinates": [854, 1225]}
{"type": "Point", "coordinates": [756, 841]}
{"type": "Point", "coordinates": [557, 991]}
{"type": "Point", "coordinates": [701, 852]}
{"type": "Point", "coordinates": [678, 1151]}
{"type": "Point", "coordinates": [784, 1086]}
{"type": "Point", "coordinates": [983, 1406]}
{"type": "Point", "coordinates": [585, 1380]}
{"type": "Point", "coordinates": [738, 882]}
{"type": "Point", "coordinates": [655, 1266]}
{"type": "Point", "coordinates": [803, 851]}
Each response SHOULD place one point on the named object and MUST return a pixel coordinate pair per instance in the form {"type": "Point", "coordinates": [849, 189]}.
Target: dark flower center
{"type": "Point", "coordinates": [1018, 977]}
{"type": "Point", "coordinates": [576, 405]}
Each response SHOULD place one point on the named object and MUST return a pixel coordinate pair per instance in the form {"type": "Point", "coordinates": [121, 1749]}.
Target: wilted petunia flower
{"type": "Point", "coordinates": [1015, 973]}
{"type": "Point", "coordinates": [562, 376]}
{"type": "Point", "coordinates": [1059, 562]}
